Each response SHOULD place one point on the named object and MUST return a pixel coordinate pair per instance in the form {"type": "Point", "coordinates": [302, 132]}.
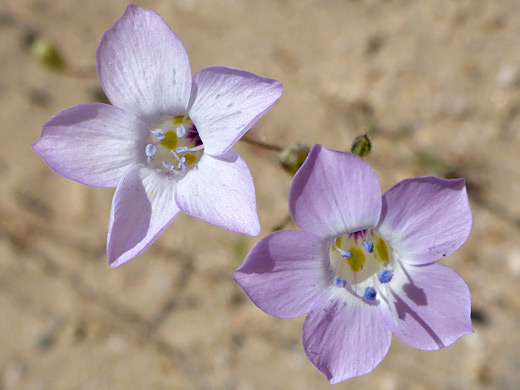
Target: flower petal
{"type": "Point", "coordinates": [425, 218]}
{"type": "Point", "coordinates": [433, 304]}
{"type": "Point", "coordinates": [345, 337]}
{"type": "Point", "coordinates": [334, 193]}
{"type": "Point", "coordinates": [142, 207]}
{"type": "Point", "coordinates": [143, 66]}
{"type": "Point", "coordinates": [227, 103]}
{"type": "Point", "coordinates": [220, 190]}
{"type": "Point", "coordinates": [285, 273]}
{"type": "Point", "coordinates": [93, 144]}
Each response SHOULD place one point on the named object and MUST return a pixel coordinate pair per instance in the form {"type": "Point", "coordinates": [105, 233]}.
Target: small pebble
{"type": "Point", "coordinates": [507, 75]}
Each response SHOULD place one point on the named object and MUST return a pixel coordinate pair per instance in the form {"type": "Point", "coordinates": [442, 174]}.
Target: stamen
{"type": "Point", "coordinates": [159, 134]}
{"type": "Point", "coordinates": [182, 162]}
{"type": "Point", "coordinates": [368, 245]}
{"type": "Point", "coordinates": [181, 149]}
{"type": "Point", "coordinates": [196, 148]}
{"type": "Point", "coordinates": [150, 150]}
{"type": "Point", "coordinates": [176, 156]}
{"type": "Point", "coordinates": [338, 282]}
{"type": "Point", "coordinates": [370, 294]}
{"type": "Point", "coordinates": [342, 252]}
{"type": "Point", "coordinates": [385, 276]}
{"type": "Point", "coordinates": [168, 166]}
{"type": "Point", "coordinates": [180, 130]}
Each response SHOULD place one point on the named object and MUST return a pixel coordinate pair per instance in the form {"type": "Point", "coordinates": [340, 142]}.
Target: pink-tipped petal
{"type": "Point", "coordinates": [425, 218]}
{"type": "Point", "coordinates": [334, 193]}
{"type": "Point", "coordinates": [220, 190]}
{"type": "Point", "coordinates": [142, 208]}
{"type": "Point", "coordinates": [433, 305]}
{"type": "Point", "coordinates": [285, 273]}
{"type": "Point", "coordinates": [143, 66]}
{"type": "Point", "coordinates": [227, 103]}
{"type": "Point", "coordinates": [93, 144]}
{"type": "Point", "coordinates": [345, 337]}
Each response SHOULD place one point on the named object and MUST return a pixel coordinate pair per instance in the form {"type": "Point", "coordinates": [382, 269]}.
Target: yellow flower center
{"type": "Point", "coordinates": [174, 145]}
{"type": "Point", "coordinates": [361, 262]}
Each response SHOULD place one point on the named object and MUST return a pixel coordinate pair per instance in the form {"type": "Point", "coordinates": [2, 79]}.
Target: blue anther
{"type": "Point", "coordinates": [150, 150]}
{"type": "Point", "coordinates": [370, 294]}
{"type": "Point", "coordinates": [338, 282]}
{"type": "Point", "coordinates": [368, 245]}
{"type": "Point", "coordinates": [385, 276]}
{"type": "Point", "coordinates": [181, 131]}
{"type": "Point", "coordinates": [159, 134]}
{"type": "Point", "coordinates": [344, 253]}
{"type": "Point", "coordinates": [168, 166]}
{"type": "Point", "coordinates": [181, 149]}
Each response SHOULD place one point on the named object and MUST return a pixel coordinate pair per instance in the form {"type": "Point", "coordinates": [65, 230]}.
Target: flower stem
{"type": "Point", "coordinates": [261, 144]}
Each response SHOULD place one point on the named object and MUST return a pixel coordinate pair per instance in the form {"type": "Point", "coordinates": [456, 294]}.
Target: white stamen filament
{"type": "Point", "coordinates": [176, 157]}
{"type": "Point", "coordinates": [196, 148]}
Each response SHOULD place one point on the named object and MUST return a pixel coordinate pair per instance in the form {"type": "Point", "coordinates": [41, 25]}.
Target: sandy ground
{"type": "Point", "coordinates": [434, 82]}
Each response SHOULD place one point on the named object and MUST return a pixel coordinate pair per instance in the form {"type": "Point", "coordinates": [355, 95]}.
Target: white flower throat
{"type": "Point", "coordinates": [174, 145]}
{"type": "Point", "coordinates": [362, 263]}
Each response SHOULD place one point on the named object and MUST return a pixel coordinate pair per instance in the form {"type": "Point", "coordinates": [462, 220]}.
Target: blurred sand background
{"type": "Point", "coordinates": [435, 83]}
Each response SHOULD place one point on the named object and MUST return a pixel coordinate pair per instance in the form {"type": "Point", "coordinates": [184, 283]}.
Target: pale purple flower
{"type": "Point", "coordinates": [363, 266]}
{"type": "Point", "coordinates": [166, 141]}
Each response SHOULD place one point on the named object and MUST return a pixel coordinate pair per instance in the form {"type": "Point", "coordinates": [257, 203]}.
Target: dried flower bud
{"type": "Point", "coordinates": [46, 54]}
{"type": "Point", "coordinates": [361, 146]}
{"type": "Point", "coordinates": [293, 156]}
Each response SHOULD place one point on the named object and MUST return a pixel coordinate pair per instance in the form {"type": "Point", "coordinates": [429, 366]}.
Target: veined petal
{"type": "Point", "coordinates": [285, 273]}
{"type": "Point", "coordinates": [425, 218]}
{"type": "Point", "coordinates": [93, 144]}
{"type": "Point", "coordinates": [220, 190]}
{"type": "Point", "coordinates": [227, 103]}
{"type": "Point", "coordinates": [142, 207]}
{"type": "Point", "coordinates": [143, 66]}
{"type": "Point", "coordinates": [433, 304]}
{"type": "Point", "coordinates": [345, 337]}
{"type": "Point", "coordinates": [334, 193]}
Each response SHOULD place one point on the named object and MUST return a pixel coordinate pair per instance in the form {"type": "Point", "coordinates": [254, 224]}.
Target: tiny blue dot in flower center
{"type": "Point", "coordinates": [368, 245]}
{"type": "Point", "coordinates": [385, 276]}
{"type": "Point", "coordinates": [370, 294]}
{"type": "Point", "coordinates": [338, 282]}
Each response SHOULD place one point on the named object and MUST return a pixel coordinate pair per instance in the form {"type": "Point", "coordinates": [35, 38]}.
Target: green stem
{"type": "Point", "coordinates": [261, 144]}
